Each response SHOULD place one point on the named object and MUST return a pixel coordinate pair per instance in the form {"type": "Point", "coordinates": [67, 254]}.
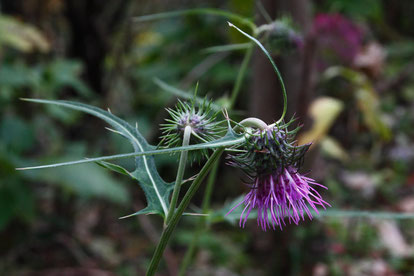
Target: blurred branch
{"type": "Point", "coordinates": [202, 11]}
{"type": "Point", "coordinates": [229, 47]}
{"type": "Point", "coordinates": [202, 67]}
{"type": "Point", "coordinates": [183, 94]}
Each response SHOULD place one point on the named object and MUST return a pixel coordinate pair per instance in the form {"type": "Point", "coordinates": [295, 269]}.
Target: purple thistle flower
{"type": "Point", "coordinates": [278, 191]}
{"type": "Point", "coordinates": [281, 195]}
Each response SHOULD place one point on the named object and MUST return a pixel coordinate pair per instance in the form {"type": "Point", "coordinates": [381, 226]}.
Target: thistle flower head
{"type": "Point", "coordinates": [202, 120]}
{"type": "Point", "coordinates": [270, 149]}
{"type": "Point", "coordinates": [278, 191]}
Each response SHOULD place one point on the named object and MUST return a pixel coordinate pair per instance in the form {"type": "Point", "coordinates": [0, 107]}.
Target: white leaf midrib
{"type": "Point", "coordinates": [163, 205]}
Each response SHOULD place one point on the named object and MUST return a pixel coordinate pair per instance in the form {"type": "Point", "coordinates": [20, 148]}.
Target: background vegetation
{"type": "Point", "coordinates": [348, 68]}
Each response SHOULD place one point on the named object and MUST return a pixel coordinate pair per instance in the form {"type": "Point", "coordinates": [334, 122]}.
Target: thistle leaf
{"type": "Point", "coordinates": [156, 190]}
{"type": "Point", "coordinates": [230, 139]}
{"type": "Point", "coordinates": [114, 167]}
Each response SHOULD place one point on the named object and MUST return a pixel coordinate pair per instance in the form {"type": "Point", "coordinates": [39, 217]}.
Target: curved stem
{"type": "Point", "coordinates": [279, 76]}
{"type": "Point", "coordinates": [180, 173]}
{"type": "Point", "coordinates": [254, 122]}
{"type": "Point", "coordinates": [166, 234]}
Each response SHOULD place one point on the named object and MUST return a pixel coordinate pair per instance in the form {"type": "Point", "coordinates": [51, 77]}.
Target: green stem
{"type": "Point", "coordinates": [212, 177]}
{"type": "Point", "coordinates": [166, 234]}
{"type": "Point", "coordinates": [180, 173]}
{"type": "Point", "coordinates": [279, 76]}
{"type": "Point", "coordinates": [240, 76]}
{"type": "Point", "coordinates": [253, 122]}
{"type": "Point", "coordinates": [202, 222]}
{"type": "Point", "coordinates": [209, 190]}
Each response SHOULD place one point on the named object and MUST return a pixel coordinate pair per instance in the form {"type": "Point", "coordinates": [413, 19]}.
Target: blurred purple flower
{"type": "Point", "coordinates": [278, 192]}
{"type": "Point", "coordinates": [338, 35]}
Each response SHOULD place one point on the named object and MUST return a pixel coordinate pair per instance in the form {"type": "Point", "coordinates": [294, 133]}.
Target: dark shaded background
{"type": "Point", "coordinates": [65, 221]}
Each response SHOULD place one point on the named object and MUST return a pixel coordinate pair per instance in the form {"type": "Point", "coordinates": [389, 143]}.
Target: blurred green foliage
{"type": "Point", "coordinates": [21, 128]}
{"type": "Point", "coordinates": [62, 215]}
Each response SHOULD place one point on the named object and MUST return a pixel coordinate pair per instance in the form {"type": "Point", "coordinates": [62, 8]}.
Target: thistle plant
{"type": "Point", "coordinates": [268, 154]}
{"type": "Point", "coordinates": [200, 120]}
{"type": "Point", "coordinates": [271, 161]}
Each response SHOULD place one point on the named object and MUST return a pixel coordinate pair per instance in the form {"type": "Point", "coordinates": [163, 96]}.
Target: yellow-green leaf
{"type": "Point", "coordinates": [333, 149]}
{"type": "Point", "coordinates": [323, 111]}
{"type": "Point", "coordinates": [21, 36]}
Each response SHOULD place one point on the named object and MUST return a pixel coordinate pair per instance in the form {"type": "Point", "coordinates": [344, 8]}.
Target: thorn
{"type": "Point", "coordinates": [136, 125]}
{"type": "Point", "coordinates": [225, 114]}
{"type": "Point", "coordinates": [113, 130]}
{"type": "Point", "coordinates": [194, 96]}
{"type": "Point", "coordinates": [197, 214]}
{"type": "Point", "coordinates": [109, 110]}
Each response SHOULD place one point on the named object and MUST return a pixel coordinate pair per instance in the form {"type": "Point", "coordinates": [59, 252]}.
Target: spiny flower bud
{"type": "Point", "coordinates": [269, 149]}
{"type": "Point", "coordinates": [201, 119]}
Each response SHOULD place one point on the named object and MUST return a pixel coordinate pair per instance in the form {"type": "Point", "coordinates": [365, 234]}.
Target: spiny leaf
{"type": "Point", "coordinates": [114, 167]}
{"type": "Point", "coordinates": [156, 190]}
{"type": "Point", "coordinates": [230, 139]}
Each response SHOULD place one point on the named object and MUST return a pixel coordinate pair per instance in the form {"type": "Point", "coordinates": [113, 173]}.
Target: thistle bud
{"type": "Point", "coordinates": [202, 120]}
